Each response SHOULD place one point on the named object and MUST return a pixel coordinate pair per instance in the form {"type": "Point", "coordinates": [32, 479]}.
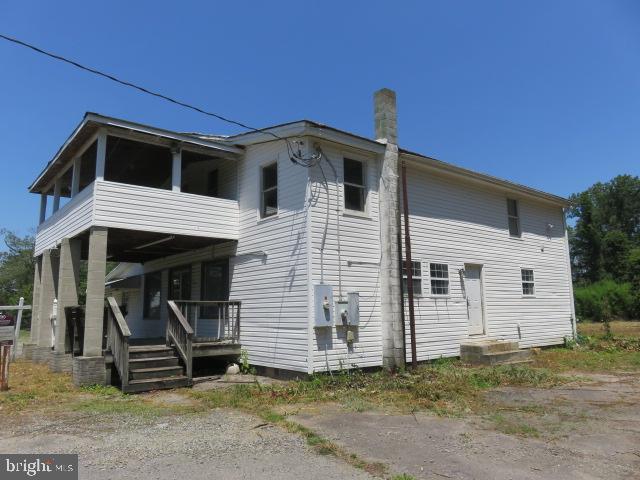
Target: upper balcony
{"type": "Point", "coordinates": [151, 186]}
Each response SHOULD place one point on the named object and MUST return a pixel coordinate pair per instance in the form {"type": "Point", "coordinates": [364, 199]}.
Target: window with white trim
{"type": "Point", "coordinates": [528, 284]}
{"type": "Point", "coordinates": [416, 274]}
{"type": "Point", "coordinates": [513, 217]}
{"type": "Point", "coordinates": [269, 191]}
{"type": "Point", "coordinates": [439, 278]}
{"type": "Point", "coordinates": [354, 185]}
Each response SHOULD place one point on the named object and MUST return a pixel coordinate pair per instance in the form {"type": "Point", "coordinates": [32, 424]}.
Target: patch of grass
{"type": "Point", "coordinates": [512, 426]}
{"type": "Point", "coordinates": [34, 388]}
{"type": "Point", "coordinates": [445, 388]}
{"type": "Point", "coordinates": [404, 476]}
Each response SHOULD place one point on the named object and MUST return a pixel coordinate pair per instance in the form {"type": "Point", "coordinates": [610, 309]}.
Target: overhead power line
{"type": "Point", "coordinates": [294, 156]}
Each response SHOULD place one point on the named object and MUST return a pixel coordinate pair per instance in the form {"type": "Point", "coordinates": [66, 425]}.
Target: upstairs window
{"type": "Point", "coordinates": [514, 217]}
{"type": "Point", "coordinates": [528, 285]}
{"type": "Point", "coordinates": [354, 185]}
{"type": "Point", "coordinates": [439, 273]}
{"type": "Point", "coordinates": [269, 202]}
{"type": "Point", "coordinates": [416, 273]}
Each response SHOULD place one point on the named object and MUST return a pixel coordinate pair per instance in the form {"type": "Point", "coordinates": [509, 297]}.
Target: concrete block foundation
{"type": "Point", "coordinates": [89, 371]}
{"type": "Point", "coordinates": [61, 362]}
{"type": "Point", "coordinates": [27, 351]}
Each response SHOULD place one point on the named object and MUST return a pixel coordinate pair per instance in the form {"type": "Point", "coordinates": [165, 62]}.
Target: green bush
{"type": "Point", "coordinates": [606, 300]}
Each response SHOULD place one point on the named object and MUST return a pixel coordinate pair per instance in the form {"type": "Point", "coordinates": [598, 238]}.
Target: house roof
{"type": "Point", "coordinates": [234, 144]}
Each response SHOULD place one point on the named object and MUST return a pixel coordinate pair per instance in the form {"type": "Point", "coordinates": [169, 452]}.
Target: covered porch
{"type": "Point", "coordinates": [125, 192]}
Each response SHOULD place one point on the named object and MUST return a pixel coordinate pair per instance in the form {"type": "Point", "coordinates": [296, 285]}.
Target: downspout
{"type": "Point", "coordinates": [408, 268]}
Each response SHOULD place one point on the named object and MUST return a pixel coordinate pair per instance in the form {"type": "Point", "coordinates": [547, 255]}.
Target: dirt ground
{"type": "Point", "coordinates": [583, 430]}
{"type": "Point", "coordinates": [221, 444]}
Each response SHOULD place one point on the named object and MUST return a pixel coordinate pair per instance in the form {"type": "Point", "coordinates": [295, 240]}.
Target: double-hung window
{"type": "Point", "coordinates": [269, 191]}
{"type": "Point", "coordinates": [416, 273]}
{"type": "Point", "coordinates": [354, 185]}
{"type": "Point", "coordinates": [439, 276]}
{"type": "Point", "coordinates": [514, 217]}
{"type": "Point", "coordinates": [528, 285]}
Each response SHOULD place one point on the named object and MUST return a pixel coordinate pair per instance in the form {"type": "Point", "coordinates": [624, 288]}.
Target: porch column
{"type": "Point", "coordinates": [43, 207]}
{"type": "Point", "coordinates": [75, 179]}
{"type": "Point", "coordinates": [48, 287]}
{"type": "Point", "coordinates": [89, 369]}
{"type": "Point", "coordinates": [68, 279]}
{"type": "Point", "coordinates": [176, 171]}
{"type": "Point", "coordinates": [101, 154]}
{"type": "Point", "coordinates": [28, 348]}
{"type": "Point", "coordinates": [56, 195]}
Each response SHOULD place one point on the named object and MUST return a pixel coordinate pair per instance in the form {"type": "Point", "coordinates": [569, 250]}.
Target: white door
{"type": "Point", "coordinates": [473, 290]}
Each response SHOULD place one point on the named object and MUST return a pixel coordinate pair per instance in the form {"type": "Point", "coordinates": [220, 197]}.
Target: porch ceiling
{"type": "Point", "coordinates": [138, 247]}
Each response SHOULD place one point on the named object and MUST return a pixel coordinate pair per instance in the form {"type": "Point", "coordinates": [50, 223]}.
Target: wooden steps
{"type": "Point", "coordinates": [493, 352]}
{"type": "Point", "coordinates": [154, 367]}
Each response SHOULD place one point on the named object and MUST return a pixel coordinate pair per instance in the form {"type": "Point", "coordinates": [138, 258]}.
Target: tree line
{"type": "Point", "coordinates": [605, 249]}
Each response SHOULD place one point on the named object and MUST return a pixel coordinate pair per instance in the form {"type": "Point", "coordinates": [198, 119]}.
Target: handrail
{"type": "Point", "coordinates": [212, 321]}
{"type": "Point", "coordinates": [118, 334]}
{"type": "Point", "coordinates": [180, 333]}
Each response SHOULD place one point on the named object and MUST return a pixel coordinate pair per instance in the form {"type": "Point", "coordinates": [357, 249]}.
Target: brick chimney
{"type": "Point", "coordinates": [391, 301]}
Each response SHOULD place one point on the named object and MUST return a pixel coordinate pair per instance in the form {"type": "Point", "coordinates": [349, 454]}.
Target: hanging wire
{"type": "Point", "coordinates": [295, 156]}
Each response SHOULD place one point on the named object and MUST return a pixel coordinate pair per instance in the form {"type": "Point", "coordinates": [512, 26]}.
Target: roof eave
{"type": "Point", "coordinates": [451, 169]}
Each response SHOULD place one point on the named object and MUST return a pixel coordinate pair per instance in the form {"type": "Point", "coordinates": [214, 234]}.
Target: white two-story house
{"type": "Point", "coordinates": [287, 243]}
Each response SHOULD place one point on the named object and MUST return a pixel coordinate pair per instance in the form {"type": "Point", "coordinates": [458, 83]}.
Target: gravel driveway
{"type": "Point", "coordinates": [219, 444]}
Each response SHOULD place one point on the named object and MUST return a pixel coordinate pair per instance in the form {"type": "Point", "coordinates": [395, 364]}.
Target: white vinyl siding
{"type": "Point", "coordinates": [73, 218]}
{"type": "Point", "coordinates": [456, 222]}
{"type": "Point", "coordinates": [354, 260]}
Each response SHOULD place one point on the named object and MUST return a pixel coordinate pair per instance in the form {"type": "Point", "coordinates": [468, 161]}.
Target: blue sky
{"type": "Point", "coordinates": [544, 93]}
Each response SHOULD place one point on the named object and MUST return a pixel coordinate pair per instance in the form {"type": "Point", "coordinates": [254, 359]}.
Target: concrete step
{"type": "Point", "coordinates": [483, 347]}
{"type": "Point", "coordinates": [156, 372]}
{"type": "Point", "coordinates": [498, 358]}
{"type": "Point", "coordinates": [153, 362]}
{"type": "Point", "coordinates": [150, 351]}
{"type": "Point", "coordinates": [145, 385]}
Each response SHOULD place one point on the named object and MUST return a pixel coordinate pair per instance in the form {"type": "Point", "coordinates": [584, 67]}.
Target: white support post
{"type": "Point", "coordinates": [16, 334]}
{"type": "Point", "coordinates": [101, 154]}
{"type": "Point", "coordinates": [176, 171]}
{"type": "Point", "coordinates": [56, 195]}
{"type": "Point", "coordinates": [75, 179]}
{"type": "Point", "coordinates": [43, 207]}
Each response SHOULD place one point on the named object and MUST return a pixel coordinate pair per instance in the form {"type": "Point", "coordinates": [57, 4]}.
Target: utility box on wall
{"type": "Point", "coordinates": [323, 306]}
{"type": "Point", "coordinates": [353, 308]}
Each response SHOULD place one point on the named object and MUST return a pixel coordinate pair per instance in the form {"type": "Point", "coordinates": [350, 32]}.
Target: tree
{"type": "Point", "coordinates": [607, 229]}
{"type": "Point", "coordinates": [16, 268]}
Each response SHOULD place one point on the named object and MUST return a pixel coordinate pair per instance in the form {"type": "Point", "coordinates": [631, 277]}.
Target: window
{"type": "Point", "coordinates": [416, 273]}
{"type": "Point", "coordinates": [354, 186]}
{"type": "Point", "coordinates": [180, 284]}
{"type": "Point", "coordinates": [214, 286]}
{"type": "Point", "coordinates": [439, 273]}
{"type": "Point", "coordinates": [514, 218]}
{"type": "Point", "coordinates": [152, 288]}
{"type": "Point", "coordinates": [528, 287]}
{"type": "Point", "coordinates": [269, 201]}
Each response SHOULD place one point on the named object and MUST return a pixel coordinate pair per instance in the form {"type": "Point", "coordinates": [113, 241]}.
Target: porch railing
{"type": "Point", "coordinates": [118, 334]}
{"type": "Point", "coordinates": [212, 321]}
{"type": "Point", "coordinates": [180, 334]}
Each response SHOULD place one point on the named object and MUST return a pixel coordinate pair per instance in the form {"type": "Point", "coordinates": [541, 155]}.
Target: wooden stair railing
{"type": "Point", "coordinates": [180, 334]}
{"type": "Point", "coordinates": [118, 334]}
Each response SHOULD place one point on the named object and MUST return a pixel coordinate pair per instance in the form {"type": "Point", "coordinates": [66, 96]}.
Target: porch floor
{"type": "Point", "coordinates": [200, 348]}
